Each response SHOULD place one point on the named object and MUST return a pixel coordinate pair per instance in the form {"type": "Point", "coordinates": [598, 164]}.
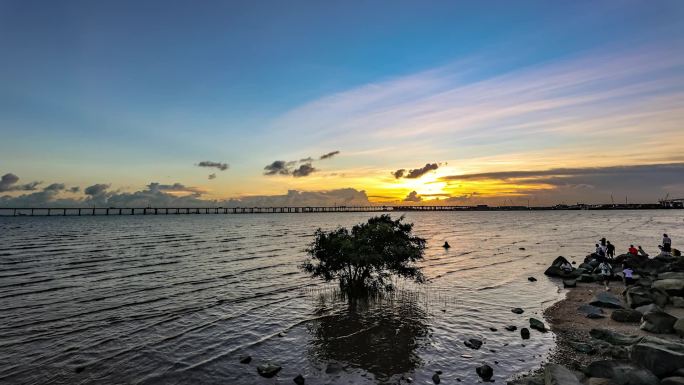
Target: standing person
{"type": "Point", "coordinates": [610, 250]}
{"type": "Point", "coordinates": [600, 252]}
{"type": "Point", "coordinates": [605, 270]}
{"type": "Point", "coordinates": [667, 243]}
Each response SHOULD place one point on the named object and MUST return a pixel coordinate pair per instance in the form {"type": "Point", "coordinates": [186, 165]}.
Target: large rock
{"type": "Point", "coordinates": [606, 299]}
{"type": "Point", "coordinates": [591, 311]}
{"type": "Point", "coordinates": [268, 370]}
{"type": "Point", "coordinates": [625, 315]}
{"type": "Point", "coordinates": [672, 286]}
{"type": "Point", "coordinates": [559, 375]}
{"type": "Point", "coordinates": [672, 381]}
{"type": "Point", "coordinates": [660, 359]}
{"type": "Point", "coordinates": [679, 327]}
{"type": "Point", "coordinates": [473, 343]}
{"type": "Point", "coordinates": [537, 325]}
{"type": "Point", "coordinates": [637, 296]}
{"type": "Point", "coordinates": [485, 372]}
{"type": "Point", "coordinates": [677, 301]}
{"type": "Point", "coordinates": [614, 338]}
{"type": "Point", "coordinates": [671, 275]}
{"type": "Point", "coordinates": [569, 283]}
{"type": "Point", "coordinates": [658, 322]}
{"type": "Point", "coordinates": [622, 373]}
{"type": "Point", "coordinates": [648, 308]}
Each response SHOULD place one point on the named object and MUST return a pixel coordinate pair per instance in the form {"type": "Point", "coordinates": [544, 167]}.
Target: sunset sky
{"type": "Point", "coordinates": [317, 102]}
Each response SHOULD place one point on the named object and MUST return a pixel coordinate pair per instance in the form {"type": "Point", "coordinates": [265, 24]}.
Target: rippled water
{"type": "Point", "coordinates": [178, 299]}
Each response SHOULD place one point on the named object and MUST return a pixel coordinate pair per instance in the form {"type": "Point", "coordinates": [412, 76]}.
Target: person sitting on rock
{"type": "Point", "coordinates": [627, 274]}
{"type": "Point", "coordinates": [642, 252]}
{"type": "Point", "coordinates": [605, 271]}
{"type": "Point", "coordinates": [600, 251]}
{"type": "Point", "coordinates": [633, 250]}
{"type": "Point", "coordinates": [667, 243]}
{"type": "Point", "coordinates": [610, 250]}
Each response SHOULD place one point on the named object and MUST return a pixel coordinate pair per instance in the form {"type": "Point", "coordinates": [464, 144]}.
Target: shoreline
{"type": "Point", "coordinates": [572, 331]}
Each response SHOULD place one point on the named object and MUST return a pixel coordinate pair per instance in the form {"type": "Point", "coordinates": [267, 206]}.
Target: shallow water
{"type": "Point", "coordinates": [151, 300]}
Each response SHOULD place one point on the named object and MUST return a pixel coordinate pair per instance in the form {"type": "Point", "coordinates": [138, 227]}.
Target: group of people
{"type": "Point", "coordinates": [605, 252]}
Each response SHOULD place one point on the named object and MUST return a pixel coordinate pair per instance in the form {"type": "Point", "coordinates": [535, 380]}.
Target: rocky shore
{"type": "Point", "coordinates": [630, 335]}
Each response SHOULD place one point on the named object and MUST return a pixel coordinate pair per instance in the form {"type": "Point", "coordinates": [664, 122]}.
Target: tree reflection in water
{"type": "Point", "coordinates": [380, 335]}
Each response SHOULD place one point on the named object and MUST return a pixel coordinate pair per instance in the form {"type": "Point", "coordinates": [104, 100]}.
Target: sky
{"type": "Point", "coordinates": [321, 103]}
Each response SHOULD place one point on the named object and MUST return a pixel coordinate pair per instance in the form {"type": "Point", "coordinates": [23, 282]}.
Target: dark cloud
{"type": "Point", "coordinates": [55, 187]}
{"type": "Point", "coordinates": [212, 176]}
{"type": "Point", "coordinates": [413, 197]}
{"type": "Point", "coordinates": [339, 197]}
{"type": "Point", "coordinates": [416, 172]}
{"type": "Point", "coordinates": [307, 160]}
{"type": "Point", "coordinates": [303, 170]}
{"type": "Point", "coordinates": [74, 189]}
{"type": "Point", "coordinates": [279, 167]}
{"type": "Point", "coordinates": [175, 188]}
{"type": "Point", "coordinates": [329, 155]}
{"type": "Point", "coordinates": [210, 164]}
{"type": "Point", "coordinates": [96, 189]}
{"type": "Point", "coordinates": [8, 182]}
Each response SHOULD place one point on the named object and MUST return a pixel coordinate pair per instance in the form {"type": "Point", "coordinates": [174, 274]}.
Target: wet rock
{"type": "Point", "coordinates": [582, 347]}
{"type": "Point", "coordinates": [660, 297]}
{"type": "Point", "coordinates": [532, 279]}
{"type": "Point", "coordinates": [485, 372]}
{"type": "Point", "coordinates": [494, 329]}
{"type": "Point", "coordinates": [658, 358]}
{"type": "Point", "coordinates": [569, 283]}
{"type": "Point", "coordinates": [586, 278]}
{"type": "Point", "coordinates": [626, 315]}
{"type": "Point", "coordinates": [511, 328]}
{"type": "Point", "coordinates": [245, 359]}
{"type": "Point", "coordinates": [677, 301]}
{"type": "Point", "coordinates": [622, 372]}
{"type": "Point", "coordinates": [679, 327]}
{"type": "Point", "coordinates": [334, 368]}
{"type": "Point", "coordinates": [537, 325]}
{"type": "Point", "coordinates": [525, 333]}
{"type": "Point", "coordinates": [521, 248]}
{"type": "Point", "coordinates": [79, 369]}
{"type": "Point", "coordinates": [517, 310]}
{"type": "Point", "coordinates": [672, 381]}
{"type": "Point", "coordinates": [638, 296]}
{"type": "Point", "coordinates": [473, 343]}
{"type": "Point", "coordinates": [648, 308]}
{"type": "Point", "coordinates": [436, 379]}
{"type": "Point", "coordinates": [671, 275]}
{"type": "Point", "coordinates": [607, 300]}
{"type": "Point", "coordinates": [614, 338]}
{"type": "Point", "coordinates": [559, 375]}
{"type": "Point", "coordinates": [658, 322]}
{"type": "Point", "coordinates": [590, 310]}
{"type": "Point", "coordinates": [268, 370]}
{"type": "Point", "coordinates": [299, 380]}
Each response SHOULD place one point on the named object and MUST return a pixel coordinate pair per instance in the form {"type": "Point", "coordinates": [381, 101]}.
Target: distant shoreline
{"type": "Point", "coordinates": [114, 211]}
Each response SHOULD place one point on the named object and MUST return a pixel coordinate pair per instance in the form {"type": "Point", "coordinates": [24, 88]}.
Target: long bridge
{"type": "Point", "coordinates": [104, 211]}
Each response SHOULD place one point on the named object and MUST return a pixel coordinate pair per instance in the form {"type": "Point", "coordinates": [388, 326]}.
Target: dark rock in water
{"type": "Point", "coordinates": [525, 333]}
{"type": "Point", "coordinates": [333, 368]}
{"type": "Point", "coordinates": [517, 310]}
{"type": "Point", "coordinates": [521, 248]}
{"type": "Point", "coordinates": [299, 380]}
{"type": "Point", "coordinates": [245, 359]}
{"type": "Point", "coordinates": [590, 310]}
{"type": "Point", "coordinates": [614, 338]}
{"type": "Point", "coordinates": [485, 372]}
{"type": "Point", "coordinates": [658, 358]}
{"type": "Point", "coordinates": [268, 370]}
{"type": "Point", "coordinates": [511, 328]}
{"type": "Point", "coordinates": [582, 347]}
{"type": "Point", "coordinates": [625, 315]}
{"type": "Point", "coordinates": [79, 369]}
{"type": "Point", "coordinates": [672, 381]}
{"type": "Point", "coordinates": [494, 329]}
{"type": "Point", "coordinates": [559, 375]}
{"type": "Point", "coordinates": [606, 299]}
{"type": "Point", "coordinates": [436, 379]}
{"type": "Point", "coordinates": [532, 279]}
{"type": "Point", "coordinates": [473, 343]}
{"type": "Point", "coordinates": [569, 283]}
{"type": "Point", "coordinates": [537, 325]}
{"type": "Point", "coordinates": [622, 372]}
{"type": "Point", "coordinates": [658, 322]}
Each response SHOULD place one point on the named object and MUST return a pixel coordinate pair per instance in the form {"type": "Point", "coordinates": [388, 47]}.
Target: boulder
{"type": "Point", "coordinates": [245, 359]}
{"type": "Point", "coordinates": [678, 327]}
{"type": "Point", "coordinates": [660, 297]}
{"type": "Point", "coordinates": [586, 278]}
{"type": "Point", "coordinates": [299, 380]}
{"type": "Point", "coordinates": [569, 283]}
{"type": "Point", "coordinates": [672, 381]}
{"type": "Point", "coordinates": [559, 375]}
{"type": "Point", "coordinates": [614, 338]}
{"type": "Point", "coordinates": [637, 296]}
{"type": "Point", "coordinates": [517, 310]}
{"type": "Point", "coordinates": [677, 301]}
{"type": "Point", "coordinates": [671, 275]}
{"type": "Point", "coordinates": [582, 347]}
{"type": "Point", "coordinates": [606, 299]}
{"type": "Point", "coordinates": [473, 343]}
{"type": "Point", "coordinates": [658, 322]}
{"type": "Point", "coordinates": [436, 379]}
{"type": "Point", "coordinates": [644, 282]}
{"type": "Point", "coordinates": [485, 372]}
{"type": "Point", "coordinates": [591, 311]}
{"type": "Point", "coordinates": [672, 286]}
{"type": "Point", "coordinates": [268, 370]}
{"type": "Point", "coordinates": [537, 325]}
{"type": "Point", "coordinates": [659, 359]}
{"type": "Point", "coordinates": [625, 315]}
{"type": "Point", "coordinates": [648, 308]}
{"type": "Point", "coordinates": [622, 373]}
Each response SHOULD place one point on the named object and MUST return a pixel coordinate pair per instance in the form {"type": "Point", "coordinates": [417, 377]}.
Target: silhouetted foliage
{"type": "Point", "coordinates": [365, 258]}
